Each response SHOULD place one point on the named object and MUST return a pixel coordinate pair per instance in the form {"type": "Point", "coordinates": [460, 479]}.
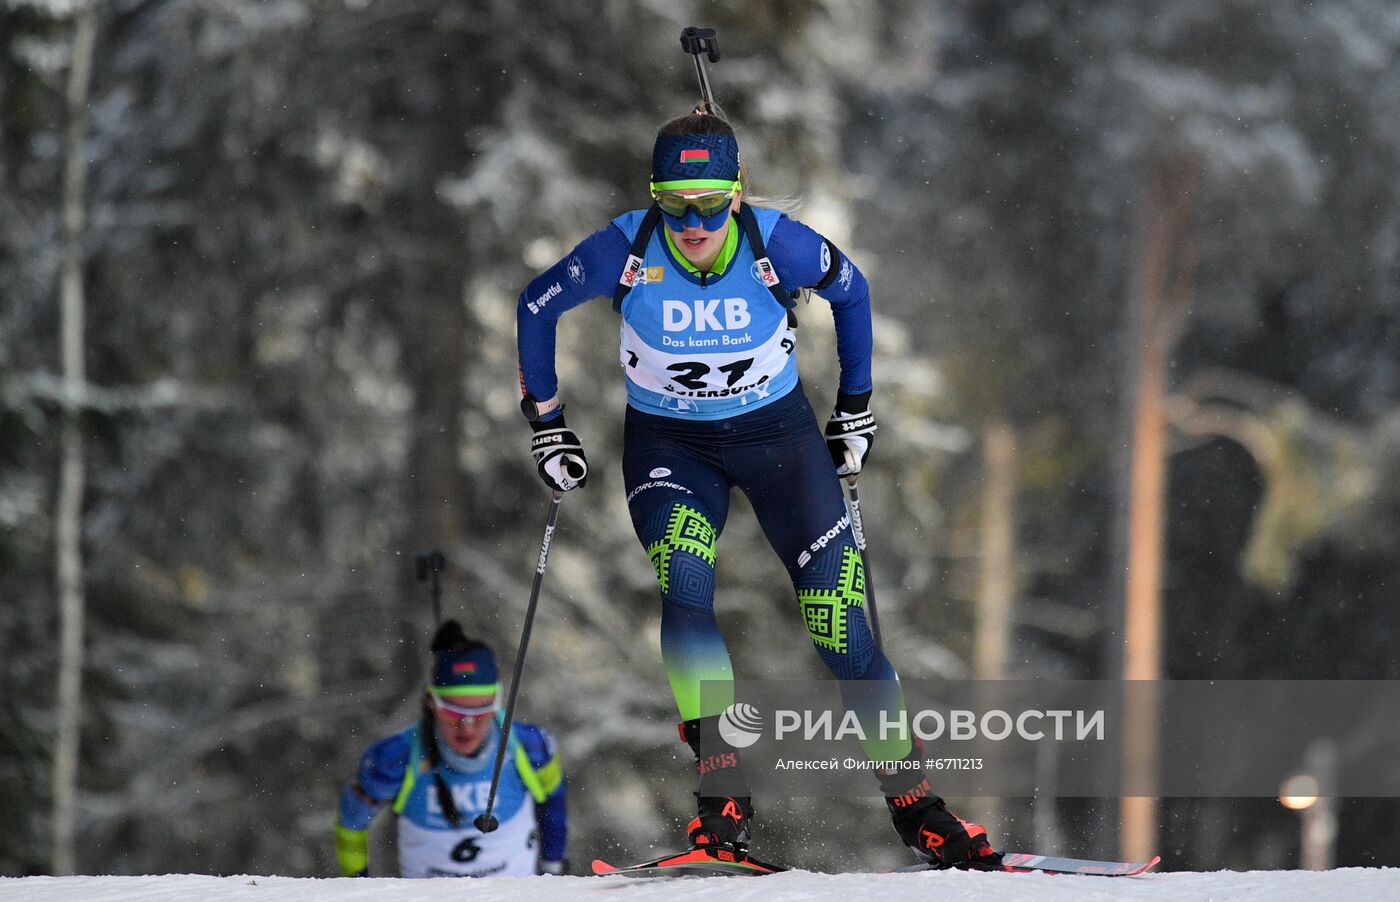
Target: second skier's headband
{"type": "Point", "coordinates": [694, 158]}
{"type": "Point", "coordinates": [465, 672]}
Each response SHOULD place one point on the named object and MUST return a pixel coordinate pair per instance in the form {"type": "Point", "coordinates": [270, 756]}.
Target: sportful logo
{"type": "Point", "coordinates": [538, 303]}
{"type": "Point", "coordinates": [695, 156]}
{"type": "Point", "coordinates": [575, 269]}
{"type": "Point", "coordinates": [823, 540]}
{"type": "Point", "coordinates": [741, 725]}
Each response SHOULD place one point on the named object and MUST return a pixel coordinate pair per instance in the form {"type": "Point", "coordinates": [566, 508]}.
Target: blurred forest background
{"type": "Point", "coordinates": [1122, 254]}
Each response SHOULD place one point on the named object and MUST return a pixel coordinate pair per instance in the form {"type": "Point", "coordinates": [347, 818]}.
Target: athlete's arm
{"type": "Point", "coordinates": [377, 781]}
{"type": "Point", "coordinates": [804, 259]}
{"type": "Point", "coordinates": [589, 270]}
{"type": "Point", "coordinates": [552, 814]}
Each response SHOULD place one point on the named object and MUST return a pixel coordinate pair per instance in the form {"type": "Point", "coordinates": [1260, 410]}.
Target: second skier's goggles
{"type": "Point", "coordinates": [714, 199]}
{"type": "Point", "coordinates": [454, 713]}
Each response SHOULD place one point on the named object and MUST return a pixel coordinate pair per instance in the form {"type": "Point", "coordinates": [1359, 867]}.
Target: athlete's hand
{"type": "Point", "coordinates": [558, 455]}
{"type": "Point", "coordinates": [850, 432]}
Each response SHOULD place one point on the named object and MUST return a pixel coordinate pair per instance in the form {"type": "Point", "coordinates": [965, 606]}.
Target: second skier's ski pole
{"type": "Point", "coordinates": [859, 531]}
{"type": "Point", "coordinates": [486, 822]}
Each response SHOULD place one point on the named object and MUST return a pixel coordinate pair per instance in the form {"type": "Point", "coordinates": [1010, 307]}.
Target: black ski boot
{"type": "Point", "coordinates": [723, 802]}
{"type": "Point", "coordinates": [721, 822]}
{"type": "Point", "coordinates": [925, 824]}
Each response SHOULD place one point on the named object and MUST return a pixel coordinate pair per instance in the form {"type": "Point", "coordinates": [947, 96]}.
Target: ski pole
{"type": "Point", "coordinates": [430, 565]}
{"type": "Point", "coordinates": [486, 822]}
{"type": "Point", "coordinates": [859, 531]}
{"type": "Point", "coordinates": [697, 41]}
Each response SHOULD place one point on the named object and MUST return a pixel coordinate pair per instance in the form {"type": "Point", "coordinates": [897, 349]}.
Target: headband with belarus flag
{"type": "Point", "coordinates": [465, 672]}
{"type": "Point", "coordinates": [694, 158]}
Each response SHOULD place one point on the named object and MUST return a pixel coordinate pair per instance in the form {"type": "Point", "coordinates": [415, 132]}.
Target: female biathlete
{"type": "Point", "coordinates": [704, 284]}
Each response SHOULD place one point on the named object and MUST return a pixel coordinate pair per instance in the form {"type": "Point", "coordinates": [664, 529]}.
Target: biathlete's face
{"type": "Point", "coordinates": [698, 219]}
{"type": "Point", "coordinates": [463, 721]}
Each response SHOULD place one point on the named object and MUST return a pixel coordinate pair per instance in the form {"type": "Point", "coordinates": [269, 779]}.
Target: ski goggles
{"type": "Point", "coordinates": [714, 199]}
{"type": "Point", "coordinates": [455, 714]}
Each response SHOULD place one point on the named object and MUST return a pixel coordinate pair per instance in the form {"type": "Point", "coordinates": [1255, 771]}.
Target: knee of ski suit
{"type": "Point", "coordinates": [831, 595]}
{"type": "Point", "coordinates": [683, 553]}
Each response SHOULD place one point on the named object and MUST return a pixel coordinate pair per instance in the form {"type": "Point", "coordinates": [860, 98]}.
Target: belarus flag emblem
{"type": "Point", "coordinates": [695, 156]}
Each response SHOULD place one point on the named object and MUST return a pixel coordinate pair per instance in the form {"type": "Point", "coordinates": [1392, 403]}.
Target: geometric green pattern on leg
{"type": "Point", "coordinates": [852, 582]}
{"type": "Point", "coordinates": [825, 617]}
{"type": "Point", "coordinates": [824, 611]}
{"type": "Point", "coordinates": [686, 530]}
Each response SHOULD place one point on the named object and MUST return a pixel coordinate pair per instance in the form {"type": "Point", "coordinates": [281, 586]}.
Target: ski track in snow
{"type": "Point", "coordinates": [1351, 884]}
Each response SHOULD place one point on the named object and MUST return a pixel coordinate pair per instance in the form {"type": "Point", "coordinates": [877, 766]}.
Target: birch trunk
{"type": "Point", "coordinates": [996, 584]}
{"type": "Point", "coordinates": [68, 517]}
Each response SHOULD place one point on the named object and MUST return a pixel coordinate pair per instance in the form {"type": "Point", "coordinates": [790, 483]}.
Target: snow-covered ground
{"type": "Point", "coordinates": [1351, 884]}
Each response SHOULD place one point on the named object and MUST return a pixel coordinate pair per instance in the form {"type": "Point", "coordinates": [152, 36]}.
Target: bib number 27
{"type": "Point", "coordinates": [692, 373]}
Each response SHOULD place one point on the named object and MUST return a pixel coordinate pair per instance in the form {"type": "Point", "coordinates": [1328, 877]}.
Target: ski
{"type": "Point", "coordinates": [1051, 864]}
{"type": "Point", "coordinates": [1026, 863]}
{"type": "Point", "coordinates": [693, 861]}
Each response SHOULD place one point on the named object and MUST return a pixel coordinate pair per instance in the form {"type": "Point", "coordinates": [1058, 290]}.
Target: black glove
{"type": "Point", "coordinates": [558, 455]}
{"type": "Point", "coordinates": [850, 432]}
